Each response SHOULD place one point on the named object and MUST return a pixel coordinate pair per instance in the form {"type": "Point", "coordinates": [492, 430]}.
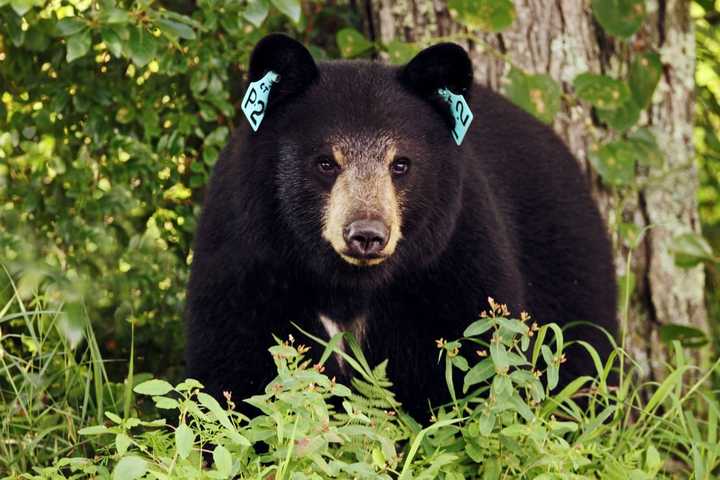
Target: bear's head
{"type": "Point", "coordinates": [367, 176]}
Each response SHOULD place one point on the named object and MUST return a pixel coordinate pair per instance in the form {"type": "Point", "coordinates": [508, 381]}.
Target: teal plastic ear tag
{"type": "Point", "coordinates": [255, 100]}
{"type": "Point", "coordinates": [460, 111]}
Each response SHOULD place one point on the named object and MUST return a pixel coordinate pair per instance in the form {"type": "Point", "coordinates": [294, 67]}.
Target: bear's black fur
{"type": "Point", "coordinates": [507, 214]}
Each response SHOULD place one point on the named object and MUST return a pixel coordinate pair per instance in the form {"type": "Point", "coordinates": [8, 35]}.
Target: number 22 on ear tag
{"type": "Point", "coordinates": [255, 100]}
{"type": "Point", "coordinates": [460, 112]}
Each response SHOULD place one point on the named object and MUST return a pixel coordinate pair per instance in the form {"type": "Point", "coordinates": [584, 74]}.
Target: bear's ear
{"type": "Point", "coordinates": [286, 57]}
{"type": "Point", "coordinates": [445, 65]}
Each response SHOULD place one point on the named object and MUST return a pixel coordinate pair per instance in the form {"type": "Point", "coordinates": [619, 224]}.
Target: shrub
{"type": "Point", "coordinates": [63, 418]}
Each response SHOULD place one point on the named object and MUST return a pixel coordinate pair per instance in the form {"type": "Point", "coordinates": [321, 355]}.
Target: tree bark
{"type": "Point", "coordinates": [560, 38]}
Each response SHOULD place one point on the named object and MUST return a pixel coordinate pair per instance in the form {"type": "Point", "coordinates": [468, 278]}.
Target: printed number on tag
{"type": "Point", "coordinates": [255, 100]}
{"type": "Point", "coordinates": [460, 111]}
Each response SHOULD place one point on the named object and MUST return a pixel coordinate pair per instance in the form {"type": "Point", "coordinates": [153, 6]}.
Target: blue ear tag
{"type": "Point", "coordinates": [256, 98]}
{"type": "Point", "coordinates": [460, 111]}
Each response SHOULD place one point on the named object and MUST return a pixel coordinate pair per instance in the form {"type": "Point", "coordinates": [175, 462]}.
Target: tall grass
{"type": "Point", "coordinates": [62, 417]}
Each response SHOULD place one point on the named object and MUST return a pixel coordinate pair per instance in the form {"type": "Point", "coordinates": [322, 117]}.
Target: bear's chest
{"type": "Point", "coordinates": [355, 325]}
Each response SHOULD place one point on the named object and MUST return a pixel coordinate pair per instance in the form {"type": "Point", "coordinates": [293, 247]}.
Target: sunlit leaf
{"type": "Point", "coordinates": [256, 12]}
{"type": "Point", "coordinates": [645, 73]}
{"type": "Point", "coordinates": [688, 336]}
{"type": "Point", "coordinates": [184, 439]}
{"type": "Point", "coordinates": [600, 90]}
{"type": "Point", "coordinates": [352, 43]}
{"type": "Point", "coordinates": [401, 52]}
{"type": "Point", "coordinates": [142, 46]}
{"type": "Point", "coordinates": [153, 387]}
{"type": "Point", "coordinates": [129, 468]}
{"type": "Point", "coordinates": [78, 45]}
{"type": "Point", "coordinates": [290, 8]}
{"type": "Point", "coordinates": [691, 249]}
{"type": "Point", "coordinates": [615, 162]}
{"type": "Point", "coordinates": [620, 18]}
{"type": "Point", "coordinates": [487, 15]}
{"type": "Point", "coordinates": [536, 94]}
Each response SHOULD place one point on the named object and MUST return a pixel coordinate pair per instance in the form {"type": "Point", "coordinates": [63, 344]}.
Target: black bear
{"type": "Point", "coordinates": [353, 208]}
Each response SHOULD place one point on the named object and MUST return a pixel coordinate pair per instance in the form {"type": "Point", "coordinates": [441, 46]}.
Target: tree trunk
{"type": "Point", "coordinates": [560, 38]}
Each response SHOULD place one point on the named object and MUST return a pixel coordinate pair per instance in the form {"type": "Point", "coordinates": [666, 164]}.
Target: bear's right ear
{"type": "Point", "coordinates": [286, 57]}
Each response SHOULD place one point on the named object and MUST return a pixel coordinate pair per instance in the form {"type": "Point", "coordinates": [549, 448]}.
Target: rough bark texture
{"type": "Point", "coordinates": [560, 38]}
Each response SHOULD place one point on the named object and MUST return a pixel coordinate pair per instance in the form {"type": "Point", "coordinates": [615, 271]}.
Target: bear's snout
{"type": "Point", "coordinates": [366, 238]}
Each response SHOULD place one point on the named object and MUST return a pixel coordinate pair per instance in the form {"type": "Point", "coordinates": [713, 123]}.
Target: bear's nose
{"type": "Point", "coordinates": [365, 238]}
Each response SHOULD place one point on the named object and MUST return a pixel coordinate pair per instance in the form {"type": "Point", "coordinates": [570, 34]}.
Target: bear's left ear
{"type": "Point", "coordinates": [445, 65]}
{"type": "Point", "coordinates": [286, 57]}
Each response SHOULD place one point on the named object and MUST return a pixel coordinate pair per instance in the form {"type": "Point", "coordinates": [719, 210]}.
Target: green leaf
{"type": "Point", "coordinates": [94, 430]}
{"type": "Point", "coordinates": [478, 327]}
{"type": "Point", "coordinates": [166, 403]}
{"type": "Point", "coordinates": [71, 324]}
{"type": "Point", "coordinates": [645, 73]}
{"type": "Point", "coordinates": [486, 424]}
{"type": "Point", "coordinates": [400, 52]}
{"type": "Point", "coordinates": [502, 386]}
{"type": "Point", "coordinates": [620, 18]}
{"type": "Point", "coordinates": [70, 26]}
{"type": "Point", "coordinates": [141, 46]}
{"type": "Point", "coordinates": [184, 439]}
{"type": "Point", "coordinates": [256, 12]}
{"type": "Point", "coordinates": [479, 373]}
{"type": "Point", "coordinates": [114, 417]}
{"type": "Point", "coordinates": [512, 325]}
{"type": "Point", "coordinates": [460, 362]}
{"type": "Point", "coordinates": [615, 162]}
{"type": "Point", "coordinates": [153, 387]}
{"type": "Point", "coordinates": [223, 461]}
{"type": "Point", "coordinates": [515, 431]}
{"type": "Point", "coordinates": [653, 461]}
{"type": "Point", "coordinates": [600, 90]}
{"type": "Point", "coordinates": [122, 442]}
{"type": "Point", "coordinates": [176, 29]}
{"type": "Point", "coordinates": [352, 43]}
{"type": "Point", "coordinates": [129, 468]}
{"type": "Point", "coordinates": [21, 7]}
{"type": "Point", "coordinates": [536, 94]}
{"type": "Point", "coordinates": [498, 353]}
{"type": "Point", "coordinates": [220, 415]}
{"type": "Point", "coordinates": [188, 384]}
{"type": "Point", "coordinates": [111, 36]}
{"type": "Point", "coordinates": [689, 337]}
{"type": "Point", "coordinates": [78, 45]}
{"type": "Point", "coordinates": [553, 376]}
{"type": "Point", "coordinates": [621, 118]}
{"type": "Point", "coordinates": [691, 249]}
{"type": "Point", "coordinates": [486, 15]}
{"type": "Point", "coordinates": [114, 16]}
{"type": "Point", "coordinates": [648, 152]}
{"type": "Point", "coordinates": [289, 8]}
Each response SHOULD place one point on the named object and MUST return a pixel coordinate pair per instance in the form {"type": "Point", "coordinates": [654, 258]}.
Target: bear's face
{"type": "Point", "coordinates": [368, 177]}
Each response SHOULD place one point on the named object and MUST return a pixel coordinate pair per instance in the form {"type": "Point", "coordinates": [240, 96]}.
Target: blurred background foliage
{"type": "Point", "coordinates": [707, 142]}
{"type": "Point", "coordinates": [112, 114]}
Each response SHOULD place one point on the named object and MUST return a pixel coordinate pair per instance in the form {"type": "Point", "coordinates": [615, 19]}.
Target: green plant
{"type": "Point", "coordinates": [509, 420]}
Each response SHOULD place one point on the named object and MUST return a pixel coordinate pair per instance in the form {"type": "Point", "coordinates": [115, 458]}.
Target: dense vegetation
{"type": "Point", "coordinates": [111, 117]}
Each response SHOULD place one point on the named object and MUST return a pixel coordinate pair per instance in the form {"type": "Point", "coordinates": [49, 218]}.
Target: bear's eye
{"type": "Point", "coordinates": [326, 165]}
{"type": "Point", "coordinates": [400, 166]}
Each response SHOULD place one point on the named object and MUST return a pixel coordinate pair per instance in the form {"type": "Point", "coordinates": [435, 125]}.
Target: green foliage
{"type": "Point", "coordinates": [487, 15]}
{"type": "Point", "coordinates": [352, 43]}
{"type": "Point", "coordinates": [112, 116]}
{"type": "Point", "coordinates": [536, 94]}
{"type": "Point", "coordinates": [707, 140]}
{"type": "Point", "coordinates": [620, 18]}
{"type": "Point", "coordinates": [510, 421]}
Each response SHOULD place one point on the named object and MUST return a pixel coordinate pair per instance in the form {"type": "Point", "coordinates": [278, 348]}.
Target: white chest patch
{"type": "Point", "coordinates": [356, 327]}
